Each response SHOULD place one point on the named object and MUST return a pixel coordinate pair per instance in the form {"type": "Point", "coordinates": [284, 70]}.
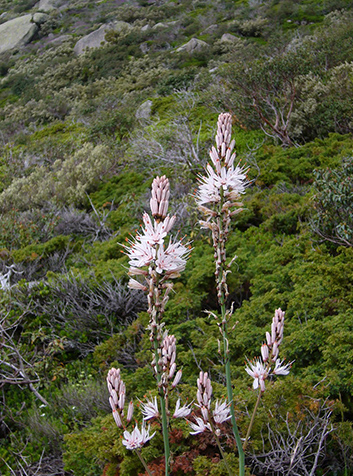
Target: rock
{"type": "Point", "coordinates": [227, 37]}
{"type": "Point", "coordinates": [144, 47]}
{"type": "Point", "coordinates": [209, 30]}
{"type": "Point", "coordinates": [59, 39]}
{"type": "Point", "coordinates": [158, 26]}
{"type": "Point", "coordinates": [19, 31]}
{"type": "Point", "coordinates": [193, 46]}
{"type": "Point", "coordinates": [96, 39]}
{"type": "Point", "coordinates": [46, 5]}
{"type": "Point", "coordinates": [145, 28]}
{"type": "Point", "coordinates": [144, 111]}
{"type": "Point", "coordinates": [40, 18]}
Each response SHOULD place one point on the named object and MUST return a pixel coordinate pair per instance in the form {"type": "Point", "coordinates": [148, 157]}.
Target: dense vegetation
{"type": "Point", "coordinates": [81, 139]}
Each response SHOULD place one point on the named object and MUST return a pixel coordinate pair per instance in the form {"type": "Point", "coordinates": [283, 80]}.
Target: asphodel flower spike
{"type": "Point", "coordinates": [222, 178]}
{"type": "Point", "coordinates": [261, 368]}
{"type": "Point", "coordinates": [156, 259]}
{"type": "Point", "coordinates": [218, 199]}
{"type": "Point", "coordinates": [149, 249]}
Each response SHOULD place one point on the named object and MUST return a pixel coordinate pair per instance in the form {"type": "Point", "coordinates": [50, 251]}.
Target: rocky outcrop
{"type": "Point", "coordinates": [96, 39]}
{"type": "Point", "coordinates": [228, 38]}
{"type": "Point", "coordinates": [50, 5]}
{"type": "Point", "coordinates": [193, 46]}
{"type": "Point", "coordinates": [210, 30]}
{"type": "Point", "coordinates": [144, 111]}
{"type": "Point", "coordinates": [46, 5]}
{"type": "Point", "coordinates": [58, 40]}
{"type": "Point", "coordinates": [20, 31]}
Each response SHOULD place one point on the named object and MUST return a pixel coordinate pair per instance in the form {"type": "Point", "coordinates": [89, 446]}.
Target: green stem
{"type": "Point", "coordinates": [230, 395]}
{"type": "Point", "coordinates": [143, 461]}
{"type": "Point", "coordinates": [165, 434]}
{"type": "Point", "coordinates": [221, 450]}
{"type": "Point", "coordinates": [252, 420]}
{"type": "Point", "coordinates": [221, 248]}
{"type": "Point", "coordinates": [156, 346]}
{"type": "Point", "coordinates": [268, 365]}
{"type": "Point", "coordinates": [163, 410]}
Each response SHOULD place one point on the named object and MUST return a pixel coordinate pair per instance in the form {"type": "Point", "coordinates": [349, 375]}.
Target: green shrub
{"type": "Point", "coordinates": [333, 203]}
{"type": "Point", "coordinates": [66, 183]}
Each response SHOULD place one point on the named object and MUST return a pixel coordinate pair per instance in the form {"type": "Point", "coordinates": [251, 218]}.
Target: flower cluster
{"type": "Point", "coordinates": [149, 249]}
{"type": "Point", "coordinates": [222, 179]}
{"type": "Point", "coordinates": [260, 368]}
{"type": "Point", "coordinates": [209, 420]}
{"type": "Point", "coordinates": [168, 376]}
{"type": "Point", "coordinates": [157, 261]}
{"type": "Point", "coordinates": [116, 388]}
{"type": "Point", "coordinates": [136, 439]}
{"type": "Point", "coordinates": [168, 359]}
{"type": "Point", "coordinates": [218, 196]}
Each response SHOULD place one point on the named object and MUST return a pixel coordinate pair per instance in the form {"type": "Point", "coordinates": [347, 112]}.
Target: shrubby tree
{"type": "Point", "coordinates": [262, 90]}
{"type": "Point", "coordinates": [325, 103]}
{"type": "Point", "coordinates": [288, 88]}
{"type": "Point", "coordinates": [333, 203]}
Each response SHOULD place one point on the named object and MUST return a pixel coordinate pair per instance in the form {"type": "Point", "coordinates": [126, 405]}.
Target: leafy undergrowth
{"type": "Point", "coordinates": [77, 157]}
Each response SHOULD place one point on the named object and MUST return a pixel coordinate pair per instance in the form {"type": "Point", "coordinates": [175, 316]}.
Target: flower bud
{"type": "Point", "coordinates": [264, 352]}
{"type": "Point", "coordinates": [130, 411]}
{"type": "Point", "coordinates": [177, 378]}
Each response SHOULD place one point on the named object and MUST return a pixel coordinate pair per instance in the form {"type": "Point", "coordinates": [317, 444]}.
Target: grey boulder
{"type": "Point", "coordinates": [20, 31]}
{"type": "Point", "coordinates": [96, 39]}
{"type": "Point", "coordinates": [193, 46]}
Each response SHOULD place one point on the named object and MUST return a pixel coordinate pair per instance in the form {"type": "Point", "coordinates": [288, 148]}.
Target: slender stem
{"type": "Point", "coordinates": [162, 401]}
{"type": "Point", "coordinates": [165, 433]}
{"type": "Point", "coordinates": [255, 408]}
{"type": "Point", "coordinates": [222, 287]}
{"type": "Point", "coordinates": [252, 419]}
{"type": "Point", "coordinates": [221, 450]}
{"type": "Point", "coordinates": [230, 396]}
{"type": "Point", "coordinates": [143, 461]}
{"type": "Point", "coordinates": [163, 410]}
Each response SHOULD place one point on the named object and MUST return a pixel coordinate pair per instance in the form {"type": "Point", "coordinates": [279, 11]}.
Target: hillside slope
{"type": "Point", "coordinates": [102, 98]}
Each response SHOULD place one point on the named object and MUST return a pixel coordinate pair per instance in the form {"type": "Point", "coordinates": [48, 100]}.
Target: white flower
{"type": "Point", "coordinates": [140, 253]}
{"type": "Point", "coordinates": [199, 427]}
{"type": "Point", "coordinates": [130, 411]}
{"type": "Point", "coordinates": [231, 179]}
{"type": "Point", "coordinates": [150, 409]}
{"type": "Point", "coordinates": [221, 413]}
{"type": "Point", "coordinates": [264, 352]}
{"type": "Point", "coordinates": [155, 233]}
{"type": "Point", "coordinates": [177, 378]}
{"type": "Point", "coordinates": [281, 369]}
{"type": "Point", "coordinates": [181, 412]}
{"type": "Point", "coordinates": [172, 259]}
{"type": "Point", "coordinates": [117, 418]}
{"type": "Point", "coordinates": [257, 371]}
{"type": "Point", "coordinates": [136, 439]}
{"type": "Point", "coordinates": [208, 192]}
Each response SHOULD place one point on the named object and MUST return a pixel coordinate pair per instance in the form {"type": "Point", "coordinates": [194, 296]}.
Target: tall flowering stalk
{"type": "Point", "coordinates": [218, 199]}
{"type": "Point", "coordinates": [154, 261]}
{"type": "Point", "coordinates": [262, 367]}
